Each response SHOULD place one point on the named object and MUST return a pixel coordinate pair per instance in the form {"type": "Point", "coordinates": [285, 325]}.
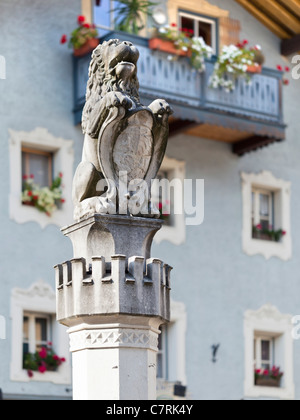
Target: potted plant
{"type": "Point", "coordinates": [269, 378]}
{"type": "Point", "coordinates": [44, 199]}
{"type": "Point", "coordinates": [258, 232]}
{"type": "Point", "coordinates": [130, 15]}
{"type": "Point", "coordinates": [181, 43]}
{"type": "Point", "coordinates": [236, 61]}
{"type": "Point", "coordinates": [83, 39]}
{"type": "Point", "coordinates": [45, 360]}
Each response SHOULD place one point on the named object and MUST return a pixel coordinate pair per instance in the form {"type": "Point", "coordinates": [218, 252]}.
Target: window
{"type": "Point", "coordinates": [268, 343]}
{"type": "Point", "coordinates": [162, 355]}
{"type": "Point", "coordinates": [39, 164]}
{"type": "Point", "coordinates": [171, 356]}
{"type": "Point", "coordinates": [266, 216]}
{"type": "Point", "coordinates": [36, 332]}
{"type": "Point", "coordinates": [264, 357]}
{"type": "Point", "coordinates": [104, 16]}
{"type": "Point", "coordinates": [202, 26]}
{"type": "Point", "coordinates": [43, 155]}
{"type": "Point", "coordinates": [263, 215]}
{"type": "Point", "coordinates": [33, 327]}
{"type": "Point", "coordinates": [173, 230]}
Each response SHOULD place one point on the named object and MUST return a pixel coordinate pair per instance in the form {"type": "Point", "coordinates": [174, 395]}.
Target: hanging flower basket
{"type": "Point", "coordinates": [167, 46]}
{"type": "Point", "coordinates": [89, 46]}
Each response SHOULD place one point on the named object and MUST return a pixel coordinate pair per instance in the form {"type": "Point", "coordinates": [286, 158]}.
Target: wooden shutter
{"type": "Point", "coordinates": [230, 30]}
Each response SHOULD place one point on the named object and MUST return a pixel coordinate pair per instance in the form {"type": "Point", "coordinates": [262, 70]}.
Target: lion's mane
{"type": "Point", "coordinates": [101, 82]}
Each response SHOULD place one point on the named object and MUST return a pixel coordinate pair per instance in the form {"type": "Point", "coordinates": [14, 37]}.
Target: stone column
{"type": "Point", "coordinates": [113, 297]}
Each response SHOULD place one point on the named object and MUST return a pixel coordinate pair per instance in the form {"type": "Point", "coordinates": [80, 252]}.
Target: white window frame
{"type": "Point", "coordinates": [204, 19]}
{"type": "Point", "coordinates": [175, 352]}
{"type": "Point", "coordinates": [63, 161]}
{"type": "Point", "coordinates": [282, 196]}
{"type": "Point", "coordinates": [258, 362]}
{"type": "Point", "coordinates": [176, 233]}
{"type": "Point", "coordinates": [32, 343]}
{"type": "Point", "coordinates": [269, 322]}
{"type": "Point", "coordinates": [257, 216]}
{"type": "Point", "coordinates": [163, 352]}
{"type": "Point", "coordinates": [40, 298]}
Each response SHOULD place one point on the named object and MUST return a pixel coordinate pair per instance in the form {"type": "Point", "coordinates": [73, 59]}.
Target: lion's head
{"type": "Point", "coordinates": [113, 68]}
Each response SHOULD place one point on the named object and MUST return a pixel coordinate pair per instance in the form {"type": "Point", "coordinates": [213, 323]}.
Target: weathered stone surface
{"type": "Point", "coordinates": [121, 135]}
{"type": "Point", "coordinates": [112, 271]}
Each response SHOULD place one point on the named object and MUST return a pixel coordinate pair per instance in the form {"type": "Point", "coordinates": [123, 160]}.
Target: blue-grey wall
{"type": "Point", "coordinates": [38, 92]}
{"type": "Point", "coordinates": [212, 275]}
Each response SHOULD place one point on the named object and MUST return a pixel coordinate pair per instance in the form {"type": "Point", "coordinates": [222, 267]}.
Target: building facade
{"type": "Point", "coordinates": [234, 287]}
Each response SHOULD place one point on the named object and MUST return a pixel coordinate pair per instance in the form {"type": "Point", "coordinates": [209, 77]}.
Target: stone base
{"type": "Point", "coordinates": [115, 361]}
{"type": "Point", "coordinates": [113, 297]}
{"type": "Point", "coordinates": [108, 235]}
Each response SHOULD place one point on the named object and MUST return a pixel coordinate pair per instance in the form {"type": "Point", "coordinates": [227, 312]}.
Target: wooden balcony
{"type": "Point", "coordinates": [248, 118]}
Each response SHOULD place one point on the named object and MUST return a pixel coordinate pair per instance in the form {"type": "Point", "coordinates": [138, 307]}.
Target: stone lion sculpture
{"type": "Point", "coordinates": [124, 143]}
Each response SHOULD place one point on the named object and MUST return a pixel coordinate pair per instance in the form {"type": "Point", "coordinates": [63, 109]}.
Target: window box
{"type": "Point", "coordinates": [255, 69]}
{"type": "Point", "coordinates": [165, 46]}
{"type": "Point", "coordinates": [269, 382]}
{"type": "Point", "coordinates": [89, 46]}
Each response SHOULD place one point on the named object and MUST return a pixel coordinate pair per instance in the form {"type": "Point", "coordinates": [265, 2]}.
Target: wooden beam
{"type": "Point", "coordinates": [265, 20]}
{"type": "Point", "coordinates": [280, 14]}
{"type": "Point", "coordinates": [252, 144]}
{"type": "Point", "coordinates": [290, 46]}
{"type": "Point", "coordinates": [293, 5]}
{"type": "Point", "coordinates": [180, 126]}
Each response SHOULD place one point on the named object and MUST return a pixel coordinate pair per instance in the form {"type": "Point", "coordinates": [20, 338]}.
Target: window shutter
{"type": "Point", "coordinates": [229, 31]}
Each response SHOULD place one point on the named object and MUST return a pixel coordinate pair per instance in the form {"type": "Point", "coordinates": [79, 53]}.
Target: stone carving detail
{"type": "Point", "coordinates": [111, 338]}
{"type": "Point", "coordinates": [121, 135]}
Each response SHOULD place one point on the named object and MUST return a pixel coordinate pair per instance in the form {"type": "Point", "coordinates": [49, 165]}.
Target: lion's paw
{"type": "Point", "coordinates": [117, 99]}
{"type": "Point", "coordinates": [161, 107]}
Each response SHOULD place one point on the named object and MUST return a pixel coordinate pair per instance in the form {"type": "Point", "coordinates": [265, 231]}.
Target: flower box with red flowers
{"type": "Point", "coordinates": [258, 232]}
{"type": "Point", "coordinates": [269, 378]}
{"type": "Point", "coordinates": [44, 199]}
{"type": "Point", "coordinates": [181, 42]}
{"type": "Point", "coordinates": [45, 360]}
{"type": "Point", "coordinates": [83, 39]}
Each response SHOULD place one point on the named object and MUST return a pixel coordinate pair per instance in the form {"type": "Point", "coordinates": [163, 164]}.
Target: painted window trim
{"type": "Point", "coordinates": [63, 162]}
{"type": "Point", "coordinates": [268, 249]}
{"type": "Point", "coordinates": [269, 320]}
{"type": "Point", "coordinates": [204, 18]}
{"type": "Point", "coordinates": [176, 351]}
{"type": "Point", "coordinates": [175, 234]}
{"type": "Point", "coordinates": [39, 298]}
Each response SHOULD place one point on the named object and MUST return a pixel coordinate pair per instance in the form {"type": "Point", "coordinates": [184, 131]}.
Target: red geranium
{"type": "Point", "coordinates": [81, 19]}
{"type": "Point", "coordinates": [42, 369]}
{"type": "Point", "coordinates": [43, 353]}
{"type": "Point", "coordinates": [279, 68]}
{"type": "Point", "coordinates": [64, 39]}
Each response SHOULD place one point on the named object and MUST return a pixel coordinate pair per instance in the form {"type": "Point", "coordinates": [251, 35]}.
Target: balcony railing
{"type": "Point", "coordinates": [254, 108]}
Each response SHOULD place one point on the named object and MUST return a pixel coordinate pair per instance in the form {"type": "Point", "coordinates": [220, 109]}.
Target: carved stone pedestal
{"type": "Point", "coordinates": [113, 297]}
